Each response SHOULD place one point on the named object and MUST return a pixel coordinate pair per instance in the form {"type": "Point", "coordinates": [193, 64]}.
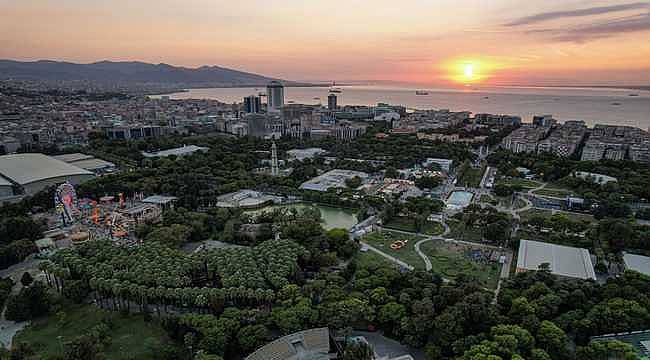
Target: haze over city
{"type": "Point", "coordinates": [431, 42]}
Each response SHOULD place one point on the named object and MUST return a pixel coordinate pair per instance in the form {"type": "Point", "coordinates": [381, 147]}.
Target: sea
{"type": "Point", "coordinates": [593, 105]}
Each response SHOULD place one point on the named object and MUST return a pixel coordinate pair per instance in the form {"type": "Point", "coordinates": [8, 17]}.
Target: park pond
{"type": "Point", "coordinates": [333, 217]}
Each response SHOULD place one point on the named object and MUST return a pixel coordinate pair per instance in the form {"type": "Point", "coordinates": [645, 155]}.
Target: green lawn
{"type": "Point", "coordinates": [372, 260]}
{"type": "Point", "coordinates": [451, 260]}
{"type": "Point", "coordinates": [553, 192]}
{"type": "Point", "coordinates": [407, 224]}
{"type": "Point", "coordinates": [526, 215]}
{"type": "Point", "coordinates": [131, 336]}
{"type": "Point", "coordinates": [383, 240]}
{"type": "Point", "coordinates": [524, 183]}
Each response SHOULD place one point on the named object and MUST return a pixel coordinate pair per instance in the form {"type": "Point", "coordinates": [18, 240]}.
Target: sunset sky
{"type": "Point", "coordinates": [542, 42]}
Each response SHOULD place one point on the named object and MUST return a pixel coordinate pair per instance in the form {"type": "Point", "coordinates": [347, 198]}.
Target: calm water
{"type": "Point", "coordinates": [460, 198]}
{"type": "Point", "coordinates": [593, 105]}
{"type": "Point", "coordinates": [333, 217]}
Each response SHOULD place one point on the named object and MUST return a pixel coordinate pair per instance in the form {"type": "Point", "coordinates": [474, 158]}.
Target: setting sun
{"type": "Point", "coordinates": [469, 71]}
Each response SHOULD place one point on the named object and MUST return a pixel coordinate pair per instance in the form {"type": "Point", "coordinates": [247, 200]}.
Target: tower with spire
{"type": "Point", "coordinates": [275, 171]}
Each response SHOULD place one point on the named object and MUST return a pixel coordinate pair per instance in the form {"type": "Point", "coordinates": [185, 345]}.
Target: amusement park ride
{"type": "Point", "coordinates": [89, 218]}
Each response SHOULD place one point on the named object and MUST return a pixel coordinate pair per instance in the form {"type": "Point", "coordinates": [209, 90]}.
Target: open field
{"type": "Point", "coordinates": [526, 215]}
{"type": "Point", "coordinates": [406, 224]}
{"type": "Point", "coordinates": [131, 337]}
{"type": "Point", "coordinates": [451, 260]}
{"type": "Point", "coordinates": [553, 192]}
{"type": "Point", "coordinates": [382, 241]}
{"type": "Point", "coordinates": [523, 183]}
{"type": "Point", "coordinates": [371, 259]}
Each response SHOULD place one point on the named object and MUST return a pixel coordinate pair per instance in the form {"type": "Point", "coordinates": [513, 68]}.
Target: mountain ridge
{"type": "Point", "coordinates": [130, 72]}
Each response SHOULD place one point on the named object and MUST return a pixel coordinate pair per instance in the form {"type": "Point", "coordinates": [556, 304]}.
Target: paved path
{"type": "Point", "coordinates": [425, 258]}
{"type": "Point", "coordinates": [389, 257]}
{"type": "Point", "coordinates": [9, 328]}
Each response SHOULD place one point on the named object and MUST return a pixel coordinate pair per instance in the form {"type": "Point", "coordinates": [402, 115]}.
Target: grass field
{"type": "Point", "coordinates": [371, 259]}
{"type": "Point", "coordinates": [553, 192]}
{"type": "Point", "coordinates": [526, 215]}
{"type": "Point", "coordinates": [524, 183]}
{"type": "Point", "coordinates": [451, 260]}
{"type": "Point", "coordinates": [406, 224]}
{"type": "Point", "coordinates": [131, 336]}
{"type": "Point", "coordinates": [383, 240]}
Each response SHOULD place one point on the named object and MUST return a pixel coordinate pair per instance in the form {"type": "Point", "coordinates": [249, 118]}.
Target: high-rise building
{"type": "Point", "coordinates": [275, 171]}
{"type": "Point", "coordinates": [544, 120]}
{"type": "Point", "coordinates": [252, 104]}
{"type": "Point", "coordinates": [274, 96]}
{"type": "Point", "coordinates": [331, 102]}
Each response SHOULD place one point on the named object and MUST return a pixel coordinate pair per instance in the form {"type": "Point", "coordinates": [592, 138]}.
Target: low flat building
{"type": "Point", "coordinates": [640, 340]}
{"type": "Point", "coordinates": [565, 261]}
{"type": "Point", "coordinates": [31, 173]}
{"type": "Point", "coordinates": [180, 151]}
{"type": "Point", "coordinates": [88, 162]}
{"type": "Point", "coordinates": [445, 164]}
{"type": "Point", "coordinates": [599, 179]}
{"type": "Point", "coordinates": [332, 179]}
{"type": "Point", "coordinates": [303, 154]}
{"type": "Point", "coordinates": [637, 263]}
{"type": "Point", "coordinates": [246, 199]}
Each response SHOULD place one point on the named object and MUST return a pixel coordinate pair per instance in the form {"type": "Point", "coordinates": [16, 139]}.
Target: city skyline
{"type": "Point", "coordinates": [448, 43]}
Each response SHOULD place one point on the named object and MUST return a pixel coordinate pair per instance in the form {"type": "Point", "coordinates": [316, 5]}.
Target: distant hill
{"type": "Point", "coordinates": [128, 73]}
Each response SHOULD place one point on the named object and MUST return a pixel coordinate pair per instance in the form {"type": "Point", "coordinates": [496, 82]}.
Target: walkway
{"type": "Point", "coordinates": [427, 263]}
{"type": "Point", "coordinates": [389, 257]}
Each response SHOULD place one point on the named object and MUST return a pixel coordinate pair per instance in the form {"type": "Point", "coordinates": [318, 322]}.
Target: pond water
{"type": "Point", "coordinates": [333, 217]}
{"type": "Point", "coordinates": [460, 198]}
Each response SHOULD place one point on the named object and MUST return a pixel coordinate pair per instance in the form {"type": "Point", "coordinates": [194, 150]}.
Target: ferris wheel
{"type": "Point", "coordinates": [65, 202]}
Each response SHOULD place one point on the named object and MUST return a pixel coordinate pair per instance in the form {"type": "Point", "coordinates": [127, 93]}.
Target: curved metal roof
{"type": "Point", "coordinates": [25, 169]}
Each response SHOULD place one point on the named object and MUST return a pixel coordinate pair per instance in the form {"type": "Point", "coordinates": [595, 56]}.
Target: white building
{"type": "Point", "coordinates": [332, 179]}
{"type": "Point", "coordinates": [31, 173]}
{"type": "Point", "coordinates": [445, 164]}
{"type": "Point", "coordinates": [563, 261]}
{"type": "Point", "coordinates": [599, 179]}
{"type": "Point", "coordinates": [180, 151]}
{"type": "Point", "coordinates": [637, 263]}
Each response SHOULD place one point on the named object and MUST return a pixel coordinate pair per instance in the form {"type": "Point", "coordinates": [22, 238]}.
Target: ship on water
{"type": "Point", "coordinates": [421, 92]}
{"type": "Point", "coordinates": [334, 89]}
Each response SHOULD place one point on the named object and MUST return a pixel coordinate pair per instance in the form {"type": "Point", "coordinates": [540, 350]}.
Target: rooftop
{"type": "Point", "coordinates": [332, 179]}
{"type": "Point", "coordinates": [93, 164]}
{"type": "Point", "coordinates": [637, 263]}
{"type": "Point", "coordinates": [312, 344]}
{"type": "Point", "coordinates": [563, 260]}
{"type": "Point", "coordinates": [28, 168]}
{"type": "Point", "coordinates": [180, 151]}
{"type": "Point", "coordinates": [72, 157]}
{"type": "Point", "coordinates": [159, 199]}
{"type": "Point", "coordinates": [640, 340]}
